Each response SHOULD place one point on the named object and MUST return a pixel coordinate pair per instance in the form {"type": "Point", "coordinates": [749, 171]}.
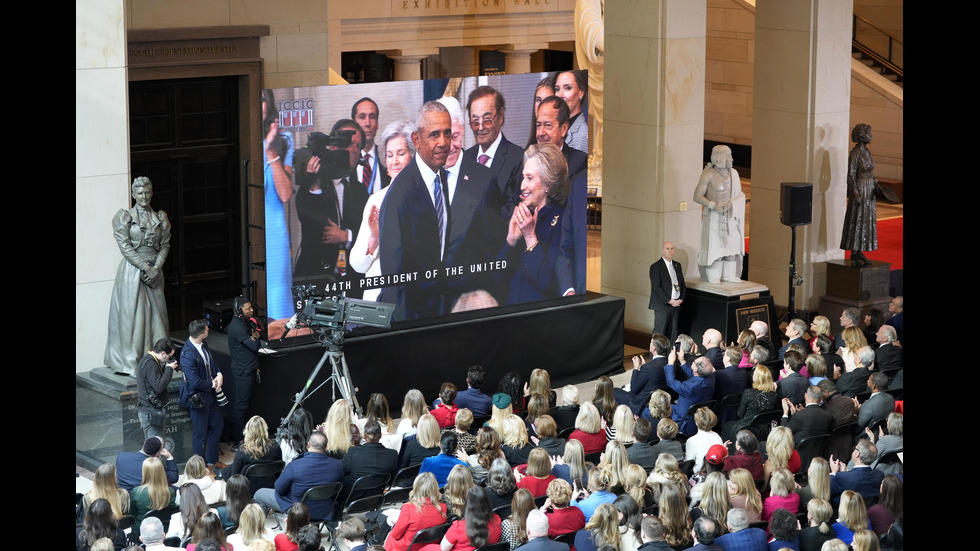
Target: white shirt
{"type": "Point", "coordinates": [492, 150]}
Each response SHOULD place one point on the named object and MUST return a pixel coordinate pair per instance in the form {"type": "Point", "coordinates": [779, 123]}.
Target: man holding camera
{"type": "Point", "coordinates": [204, 377]}
{"type": "Point", "coordinates": [152, 377]}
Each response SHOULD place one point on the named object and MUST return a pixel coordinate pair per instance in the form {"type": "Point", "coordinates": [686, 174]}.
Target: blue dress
{"type": "Point", "coordinates": [278, 257]}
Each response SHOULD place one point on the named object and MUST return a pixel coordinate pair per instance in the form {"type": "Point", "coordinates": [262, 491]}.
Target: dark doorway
{"type": "Point", "coordinates": [184, 137]}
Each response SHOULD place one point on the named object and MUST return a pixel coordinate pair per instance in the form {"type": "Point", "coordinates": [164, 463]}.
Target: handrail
{"type": "Point", "coordinates": [885, 61]}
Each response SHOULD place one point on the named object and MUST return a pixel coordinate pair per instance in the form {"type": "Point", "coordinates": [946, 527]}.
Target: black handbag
{"type": "Point", "coordinates": [189, 398]}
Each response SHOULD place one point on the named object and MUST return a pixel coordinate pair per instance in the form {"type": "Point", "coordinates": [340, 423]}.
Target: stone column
{"type": "Point", "coordinates": [654, 131]}
{"type": "Point", "coordinates": [408, 62]}
{"type": "Point", "coordinates": [518, 57]}
{"type": "Point", "coordinates": [799, 134]}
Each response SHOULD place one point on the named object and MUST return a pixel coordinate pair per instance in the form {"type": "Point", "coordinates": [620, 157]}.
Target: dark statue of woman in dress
{"type": "Point", "coordinates": [860, 219]}
{"type": "Point", "coordinates": [138, 311]}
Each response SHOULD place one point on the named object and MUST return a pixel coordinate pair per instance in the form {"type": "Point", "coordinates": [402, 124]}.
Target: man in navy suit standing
{"type": "Point", "coordinates": [487, 110]}
{"type": "Point", "coordinates": [203, 376]}
{"type": "Point", "coordinates": [415, 221]}
{"type": "Point", "coordinates": [667, 292]}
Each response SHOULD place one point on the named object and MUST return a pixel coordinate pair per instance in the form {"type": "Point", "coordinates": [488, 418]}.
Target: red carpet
{"type": "Point", "coordinates": [891, 243]}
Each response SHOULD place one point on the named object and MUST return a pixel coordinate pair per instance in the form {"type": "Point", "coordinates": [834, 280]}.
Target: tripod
{"type": "Point", "coordinates": [339, 374]}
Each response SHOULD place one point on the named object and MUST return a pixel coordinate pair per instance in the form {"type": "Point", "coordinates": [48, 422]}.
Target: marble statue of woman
{"type": "Point", "coordinates": [719, 191]}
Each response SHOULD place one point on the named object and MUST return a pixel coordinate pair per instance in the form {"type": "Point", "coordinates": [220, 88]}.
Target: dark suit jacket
{"type": "Point", "coordinates": [772, 348]}
{"type": "Point", "coordinates": [888, 356]}
{"type": "Point", "coordinates": [643, 455]}
{"type": "Point", "coordinates": [367, 459]}
{"type": "Point", "coordinates": [809, 421]}
{"type": "Point", "coordinates": [316, 210]}
{"type": "Point", "coordinates": [747, 539]}
{"type": "Point", "coordinates": [507, 164]}
{"type": "Point", "coordinates": [840, 408]}
{"type": "Point", "coordinates": [863, 480]}
{"type": "Point", "coordinates": [534, 272]}
{"type": "Point", "coordinates": [730, 380]}
{"type": "Point", "coordinates": [716, 356]}
{"type": "Point", "coordinates": [854, 382]}
{"type": "Point", "coordinates": [303, 473]}
{"type": "Point", "coordinates": [793, 387]}
{"type": "Point", "coordinates": [571, 263]}
{"type": "Point", "coordinates": [477, 227]}
{"type": "Point", "coordinates": [196, 372]}
{"type": "Point", "coordinates": [648, 378]}
{"type": "Point", "coordinates": [544, 544]}
{"type": "Point", "coordinates": [660, 285]}
{"type": "Point", "coordinates": [410, 245]}
{"type": "Point", "coordinates": [785, 347]}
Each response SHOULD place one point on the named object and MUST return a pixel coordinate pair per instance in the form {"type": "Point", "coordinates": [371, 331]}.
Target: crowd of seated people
{"type": "Point", "coordinates": [595, 470]}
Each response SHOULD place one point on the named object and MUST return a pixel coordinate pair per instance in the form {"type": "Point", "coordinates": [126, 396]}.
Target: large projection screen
{"type": "Point", "coordinates": [507, 234]}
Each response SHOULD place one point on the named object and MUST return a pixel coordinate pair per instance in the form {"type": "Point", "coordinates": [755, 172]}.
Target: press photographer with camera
{"type": "Point", "coordinates": [155, 371]}
{"type": "Point", "coordinates": [329, 203]}
{"type": "Point", "coordinates": [204, 378]}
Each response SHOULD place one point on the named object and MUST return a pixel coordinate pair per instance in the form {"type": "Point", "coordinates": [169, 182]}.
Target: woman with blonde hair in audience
{"type": "Point", "coordinates": [597, 494]}
{"type": "Point", "coordinates": [257, 447]}
{"type": "Point", "coordinates": [674, 517]}
{"type": "Point", "coordinates": [193, 506]}
{"type": "Point", "coordinates": [501, 410]}
{"type": "Point", "coordinates": [297, 517]}
{"type": "Point", "coordinates": [715, 501]}
{"type": "Point", "coordinates": [209, 527]}
{"type": "Point", "coordinates": [658, 407]}
{"type": "Point", "coordinates": [565, 414]}
{"type": "Point", "coordinates": [760, 398]}
{"type": "Point", "coordinates": [547, 436]}
{"type": "Point", "coordinates": [196, 472]}
{"type": "Point", "coordinates": [622, 425]}
{"type": "Point", "coordinates": [413, 408]}
{"type": "Point", "coordinates": [818, 531]}
{"type": "Point", "coordinates": [513, 529]}
{"type": "Point", "coordinates": [563, 518]}
{"type": "Point", "coordinates": [154, 493]}
{"type": "Point", "coordinates": [635, 484]}
{"type": "Point", "coordinates": [614, 458]}
{"type": "Point", "coordinates": [588, 429]}
{"type": "Point", "coordinates": [426, 443]}
{"type": "Point", "coordinates": [458, 483]}
{"type": "Point", "coordinates": [538, 473]}
{"type": "Point", "coordinates": [540, 383]}
{"type": "Point", "coordinates": [853, 341]}
{"type": "Point", "coordinates": [745, 495]}
{"type": "Point", "coordinates": [835, 545]}
{"type": "Point", "coordinates": [514, 441]}
{"type": "Point", "coordinates": [819, 326]}
{"type": "Point", "coordinates": [782, 452]}
{"type": "Point", "coordinates": [571, 467]}
{"type": "Point", "coordinates": [865, 540]}
{"type": "Point", "coordinates": [464, 439]}
{"type": "Point", "coordinates": [424, 509]}
{"type": "Point", "coordinates": [818, 481]}
{"type": "Point", "coordinates": [699, 444]}
{"type": "Point", "coordinates": [782, 494]}
{"type": "Point", "coordinates": [667, 472]}
{"type": "Point", "coordinates": [601, 529]}
{"type": "Point", "coordinates": [851, 516]}
{"type": "Point", "coordinates": [106, 487]}
{"type": "Point", "coordinates": [340, 429]}
{"type": "Point", "coordinates": [251, 527]}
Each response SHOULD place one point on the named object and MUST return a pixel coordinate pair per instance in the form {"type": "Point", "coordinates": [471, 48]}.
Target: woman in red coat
{"type": "Point", "coordinates": [424, 509]}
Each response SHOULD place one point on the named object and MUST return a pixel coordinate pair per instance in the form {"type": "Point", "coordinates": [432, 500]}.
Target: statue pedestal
{"type": "Point", "coordinates": [861, 287]}
{"type": "Point", "coordinates": [106, 422]}
{"type": "Point", "coordinates": [727, 307]}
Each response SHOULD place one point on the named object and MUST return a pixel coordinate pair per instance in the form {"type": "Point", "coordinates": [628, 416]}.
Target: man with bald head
{"type": "Point", "coordinates": [761, 330]}
{"type": "Point", "coordinates": [711, 341]}
{"type": "Point", "coordinates": [667, 292]}
{"type": "Point", "coordinates": [415, 220]}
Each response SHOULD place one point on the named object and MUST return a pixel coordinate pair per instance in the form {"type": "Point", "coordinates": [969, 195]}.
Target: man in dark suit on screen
{"type": "Point", "coordinates": [667, 292]}
{"type": "Point", "coordinates": [487, 109]}
{"type": "Point", "coordinates": [415, 221]}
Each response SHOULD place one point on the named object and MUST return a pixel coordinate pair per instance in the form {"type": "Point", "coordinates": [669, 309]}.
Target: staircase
{"type": "Point", "coordinates": [878, 50]}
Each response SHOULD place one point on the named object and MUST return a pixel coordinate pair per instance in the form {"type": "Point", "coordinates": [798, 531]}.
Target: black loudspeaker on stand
{"type": "Point", "coordinates": [795, 209]}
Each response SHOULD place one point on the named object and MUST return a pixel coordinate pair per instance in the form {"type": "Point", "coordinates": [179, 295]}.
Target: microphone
{"type": "Point", "coordinates": [289, 327]}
